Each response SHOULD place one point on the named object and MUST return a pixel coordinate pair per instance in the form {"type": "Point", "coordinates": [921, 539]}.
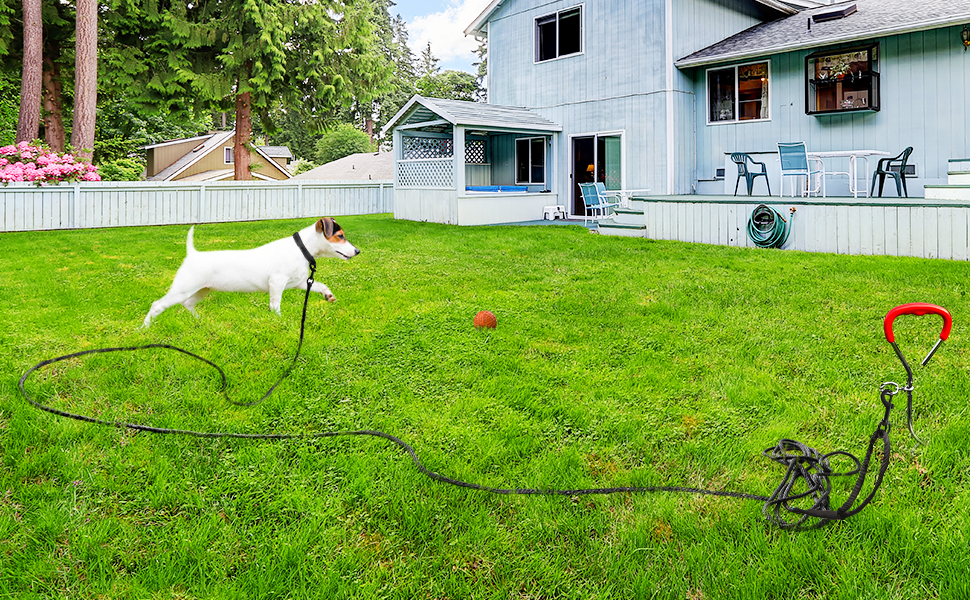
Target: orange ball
{"type": "Point", "coordinates": [485, 319]}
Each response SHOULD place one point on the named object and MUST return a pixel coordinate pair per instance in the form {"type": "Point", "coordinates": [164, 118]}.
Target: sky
{"type": "Point", "coordinates": [442, 22]}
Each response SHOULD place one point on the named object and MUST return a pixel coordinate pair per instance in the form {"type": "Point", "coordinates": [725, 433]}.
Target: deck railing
{"type": "Point", "coordinates": [123, 204]}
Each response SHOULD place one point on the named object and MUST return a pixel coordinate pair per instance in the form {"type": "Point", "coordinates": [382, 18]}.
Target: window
{"type": "Point", "coordinates": [530, 160]}
{"type": "Point", "coordinates": [738, 93]}
{"type": "Point", "coordinates": [228, 156]}
{"type": "Point", "coordinates": [559, 34]}
{"type": "Point", "coordinates": [842, 81]}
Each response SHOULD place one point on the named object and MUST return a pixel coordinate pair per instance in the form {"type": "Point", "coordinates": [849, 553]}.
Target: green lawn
{"type": "Point", "coordinates": [616, 362]}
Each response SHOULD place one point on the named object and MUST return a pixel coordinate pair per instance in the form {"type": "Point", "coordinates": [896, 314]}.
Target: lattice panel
{"type": "Point", "coordinates": [475, 152]}
{"type": "Point", "coordinates": [426, 174]}
{"type": "Point", "coordinates": [421, 147]}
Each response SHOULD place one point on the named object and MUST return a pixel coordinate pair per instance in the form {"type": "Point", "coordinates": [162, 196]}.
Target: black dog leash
{"type": "Point", "coordinates": [805, 467]}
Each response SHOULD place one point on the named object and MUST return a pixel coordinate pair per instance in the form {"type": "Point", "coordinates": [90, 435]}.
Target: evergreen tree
{"type": "Point", "coordinates": [428, 63]}
{"type": "Point", "coordinates": [258, 54]}
{"type": "Point", "coordinates": [28, 123]}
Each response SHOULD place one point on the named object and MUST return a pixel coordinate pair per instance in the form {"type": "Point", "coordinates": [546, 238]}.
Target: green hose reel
{"type": "Point", "coordinates": [767, 228]}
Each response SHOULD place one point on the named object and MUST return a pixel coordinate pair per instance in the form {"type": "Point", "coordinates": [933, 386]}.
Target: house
{"type": "Point", "coordinates": [210, 158]}
{"type": "Point", "coordinates": [656, 94]}
{"type": "Point", "coordinates": [364, 166]}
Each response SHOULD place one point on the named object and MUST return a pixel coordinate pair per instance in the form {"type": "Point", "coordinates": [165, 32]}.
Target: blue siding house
{"type": "Point", "coordinates": [656, 94]}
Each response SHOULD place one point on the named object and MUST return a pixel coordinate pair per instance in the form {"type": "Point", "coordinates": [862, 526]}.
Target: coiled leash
{"type": "Point", "coordinates": [807, 469]}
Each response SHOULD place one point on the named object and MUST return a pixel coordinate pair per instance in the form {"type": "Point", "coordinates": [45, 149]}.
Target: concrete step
{"type": "Point", "coordinates": [958, 164]}
{"type": "Point", "coordinates": [947, 192]}
{"type": "Point", "coordinates": [628, 216]}
{"type": "Point", "coordinates": [611, 227]}
{"type": "Point", "coordinates": [958, 177]}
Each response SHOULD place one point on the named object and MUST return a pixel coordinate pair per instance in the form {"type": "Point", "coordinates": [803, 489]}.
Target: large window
{"type": "Point", "coordinates": [738, 93]}
{"type": "Point", "coordinates": [530, 160]}
{"type": "Point", "coordinates": [841, 81]}
{"type": "Point", "coordinates": [559, 34]}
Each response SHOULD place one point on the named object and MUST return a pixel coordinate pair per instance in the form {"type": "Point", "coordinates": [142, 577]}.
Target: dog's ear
{"type": "Point", "coordinates": [326, 226]}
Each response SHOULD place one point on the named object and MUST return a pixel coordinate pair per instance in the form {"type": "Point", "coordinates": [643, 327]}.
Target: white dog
{"type": "Point", "coordinates": [272, 268]}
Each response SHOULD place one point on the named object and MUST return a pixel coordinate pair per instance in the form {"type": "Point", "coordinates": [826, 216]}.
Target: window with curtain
{"type": "Point", "coordinates": [738, 93]}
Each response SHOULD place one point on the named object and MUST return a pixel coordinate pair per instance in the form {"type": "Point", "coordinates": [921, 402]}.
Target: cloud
{"type": "Point", "coordinates": [445, 31]}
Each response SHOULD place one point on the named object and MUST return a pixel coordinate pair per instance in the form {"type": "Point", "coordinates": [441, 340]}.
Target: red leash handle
{"type": "Point", "coordinates": [919, 309]}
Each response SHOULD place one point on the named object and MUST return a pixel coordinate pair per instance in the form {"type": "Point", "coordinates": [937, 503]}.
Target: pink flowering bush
{"type": "Point", "coordinates": [34, 163]}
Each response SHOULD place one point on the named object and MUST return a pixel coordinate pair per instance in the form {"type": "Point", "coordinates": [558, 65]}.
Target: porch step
{"type": "Point", "coordinates": [607, 227]}
{"type": "Point", "coordinates": [947, 192]}
{"type": "Point", "coordinates": [958, 177]}
{"type": "Point", "coordinates": [959, 165]}
{"type": "Point", "coordinates": [628, 216]}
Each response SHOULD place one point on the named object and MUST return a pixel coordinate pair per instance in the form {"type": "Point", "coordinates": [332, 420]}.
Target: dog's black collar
{"type": "Point", "coordinates": [306, 254]}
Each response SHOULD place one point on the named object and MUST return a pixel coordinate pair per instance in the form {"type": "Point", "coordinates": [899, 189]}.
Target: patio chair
{"type": "Point", "coordinates": [742, 160]}
{"type": "Point", "coordinates": [596, 201]}
{"type": "Point", "coordinates": [794, 163]}
{"type": "Point", "coordinates": [894, 167]}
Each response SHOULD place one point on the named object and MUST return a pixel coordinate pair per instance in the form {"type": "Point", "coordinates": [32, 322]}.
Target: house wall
{"type": "Point", "coordinates": [161, 157]}
{"type": "Point", "coordinates": [619, 83]}
{"type": "Point", "coordinates": [924, 86]}
{"type": "Point", "coordinates": [215, 160]}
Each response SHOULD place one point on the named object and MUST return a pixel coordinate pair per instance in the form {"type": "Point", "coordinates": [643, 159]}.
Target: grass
{"type": "Point", "coordinates": [616, 362]}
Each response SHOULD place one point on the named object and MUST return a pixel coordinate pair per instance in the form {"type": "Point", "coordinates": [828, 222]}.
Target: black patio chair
{"type": "Point", "coordinates": [894, 167]}
{"type": "Point", "coordinates": [742, 160]}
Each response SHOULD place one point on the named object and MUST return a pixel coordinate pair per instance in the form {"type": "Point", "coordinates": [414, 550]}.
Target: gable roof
{"type": "Point", "coordinates": [479, 26]}
{"type": "Point", "coordinates": [363, 166]}
{"type": "Point", "coordinates": [872, 19]}
{"type": "Point", "coordinates": [207, 144]}
{"type": "Point", "coordinates": [469, 114]}
{"type": "Point", "coordinates": [276, 151]}
{"type": "Point", "coordinates": [188, 159]}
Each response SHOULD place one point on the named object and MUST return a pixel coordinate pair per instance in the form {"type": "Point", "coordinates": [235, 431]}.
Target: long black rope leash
{"type": "Point", "coordinates": [806, 468]}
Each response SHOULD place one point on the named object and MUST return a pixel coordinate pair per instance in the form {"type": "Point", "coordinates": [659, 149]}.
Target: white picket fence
{"type": "Point", "coordinates": [24, 207]}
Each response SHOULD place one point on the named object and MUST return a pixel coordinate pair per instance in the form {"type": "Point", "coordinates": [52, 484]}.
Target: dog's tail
{"type": "Point", "coordinates": [189, 244]}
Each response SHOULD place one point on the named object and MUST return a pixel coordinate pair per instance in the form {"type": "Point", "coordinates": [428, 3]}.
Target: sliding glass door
{"type": "Point", "coordinates": [595, 158]}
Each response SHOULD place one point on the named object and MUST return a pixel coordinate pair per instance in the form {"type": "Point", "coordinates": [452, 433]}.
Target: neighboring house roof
{"type": "Point", "coordinates": [213, 141]}
{"type": "Point", "coordinates": [207, 144]}
{"type": "Point", "coordinates": [367, 165]}
{"type": "Point", "coordinates": [872, 19]}
{"type": "Point", "coordinates": [276, 151]}
{"type": "Point", "coordinates": [479, 26]}
{"type": "Point", "coordinates": [469, 114]}
{"type": "Point", "coordinates": [199, 138]}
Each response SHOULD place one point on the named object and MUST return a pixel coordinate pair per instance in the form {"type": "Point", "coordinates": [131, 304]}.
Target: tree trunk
{"type": "Point", "coordinates": [85, 78]}
{"type": "Point", "coordinates": [28, 123]}
{"type": "Point", "coordinates": [244, 133]}
{"type": "Point", "coordinates": [53, 108]}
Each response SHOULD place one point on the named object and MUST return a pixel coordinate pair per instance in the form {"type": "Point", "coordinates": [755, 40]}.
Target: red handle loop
{"type": "Point", "coordinates": [917, 308]}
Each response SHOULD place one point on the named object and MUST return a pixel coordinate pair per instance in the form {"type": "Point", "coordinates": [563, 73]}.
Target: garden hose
{"type": "Point", "coordinates": [808, 474]}
{"type": "Point", "coordinates": [767, 228]}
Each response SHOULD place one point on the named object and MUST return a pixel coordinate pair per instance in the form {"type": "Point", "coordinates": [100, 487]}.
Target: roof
{"type": "Point", "coordinates": [479, 26]}
{"type": "Point", "coordinates": [207, 145]}
{"type": "Point", "coordinates": [276, 151]}
{"type": "Point", "coordinates": [363, 166]}
{"type": "Point", "coordinates": [872, 19]}
{"type": "Point", "coordinates": [188, 159]}
{"type": "Point", "coordinates": [469, 114]}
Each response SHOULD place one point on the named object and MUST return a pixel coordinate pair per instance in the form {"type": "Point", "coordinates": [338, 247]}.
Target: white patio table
{"type": "Point", "coordinates": [853, 173]}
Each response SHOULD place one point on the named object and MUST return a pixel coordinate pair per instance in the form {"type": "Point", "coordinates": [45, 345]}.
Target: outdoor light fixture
{"type": "Point", "coordinates": [965, 36]}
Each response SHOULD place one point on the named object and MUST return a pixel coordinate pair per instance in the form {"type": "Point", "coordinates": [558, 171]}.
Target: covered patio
{"type": "Point", "coordinates": [468, 163]}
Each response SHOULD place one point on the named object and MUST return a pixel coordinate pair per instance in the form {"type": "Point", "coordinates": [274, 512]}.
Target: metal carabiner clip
{"type": "Point", "coordinates": [915, 308]}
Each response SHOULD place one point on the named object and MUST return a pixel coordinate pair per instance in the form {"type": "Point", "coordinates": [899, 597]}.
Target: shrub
{"type": "Point", "coordinates": [342, 141]}
{"type": "Point", "coordinates": [122, 169]}
{"type": "Point", "coordinates": [42, 165]}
